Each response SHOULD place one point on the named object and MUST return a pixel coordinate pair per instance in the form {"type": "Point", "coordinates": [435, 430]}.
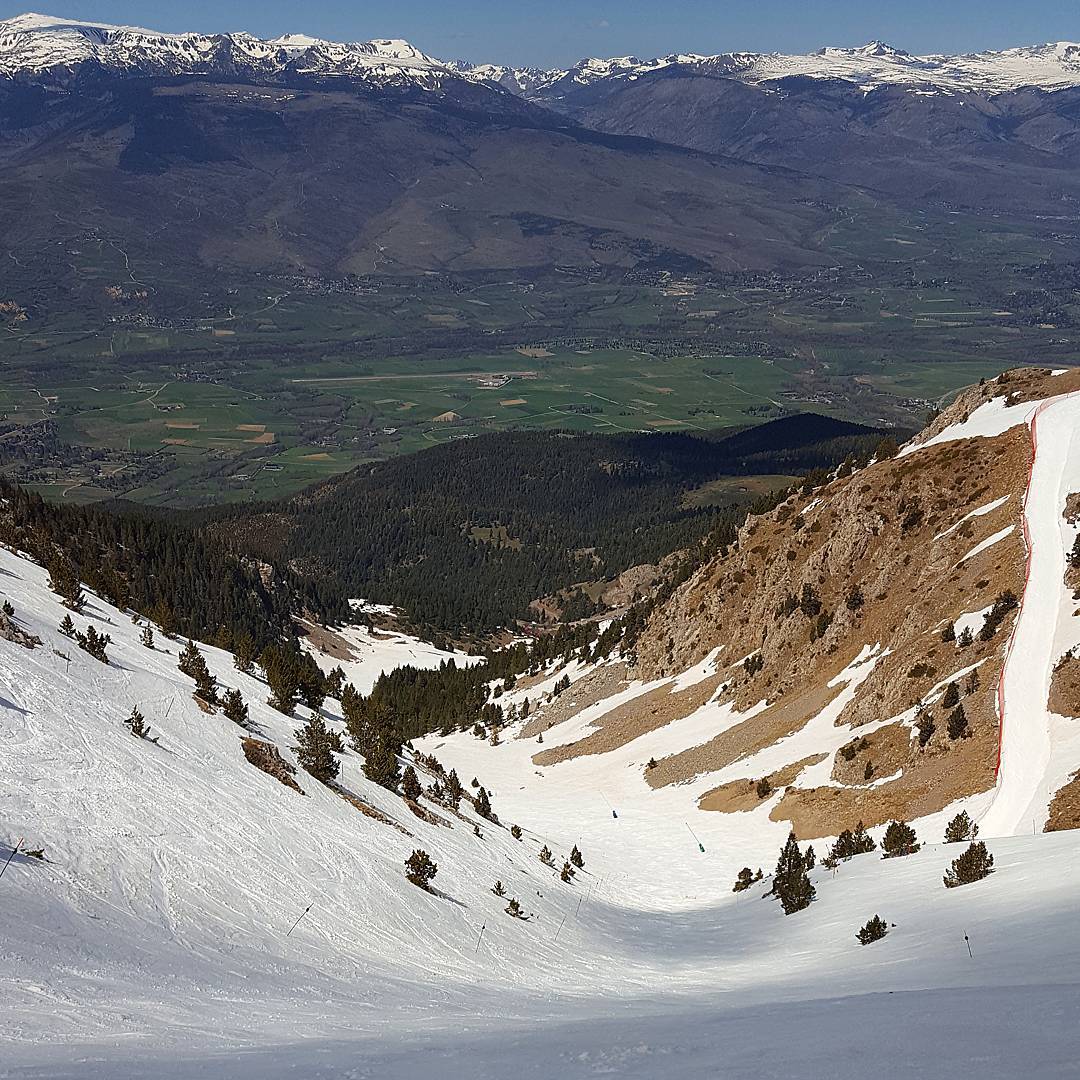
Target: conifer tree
{"type": "Point", "coordinates": [961, 828]}
{"type": "Point", "coordinates": [958, 723]}
{"type": "Point", "coordinates": [94, 643]}
{"type": "Point", "coordinates": [136, 724]}
{"type": "Point", "coordinates": [899, 840]}
{"type": "Point", "coordinates": [874, 930]}
{"type": "Point", "coordinates": [454, 790]}
{"type": "Point", "coordinates": [483, 803]}
{"type": "Point", "coordinates": [925, 722]}
{"type": "Point", "coordinates": [515, 831]}
{"type": "Point", "coordinates": [951, 697]}
{"type": "Point", "coordinates": [545, 856]}
{"type": "Point", "coordinates": [191, 660]}
{"type": "Point", "coordinates": [567, 872]}
{"type": "Point", "coordinates": [244, 653]}
{"type": "Point", "coordinates": [975, 864]}
{"type": "Point", "coordinates": [809, 857]}
{"type": "Point", "coordinates": [313, 750]}
{"type": "Point", "coordinates": [514, 909]}
{"type": "Point", "coordinates": [381, 763]}
{"type": "Point", "coordinates": [577, 858]}
{"type": "Point", "coordinates": [745, 879]}
{"type": "Point", "coordinates": [147, 636]}
{"type": "Point", "coordinates": [234, 707]}
{"type": "Point", "coordinates": [206, 686]}
{"type": "Point", "coordinates": [420, 870]}
{"type": "Point", "coordinates": [67, 627]}
{"type": "Point", "coordinates": [410, 784]}
{"type": "Point", "coordinates": [790, 882]}
{"type": "Point", "coordinates": [498, 889]}
{"type": "Point", "coordinates": [282, 679]}
{"type": "Point", "coordinates": [64, 581]}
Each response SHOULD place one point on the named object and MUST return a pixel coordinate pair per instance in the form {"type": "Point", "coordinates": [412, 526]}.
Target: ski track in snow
{"type": "Point", "coordinates": [1043, 624]}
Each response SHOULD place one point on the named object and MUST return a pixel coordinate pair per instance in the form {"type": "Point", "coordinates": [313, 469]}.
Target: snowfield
{"type": "Point", "coordinates": [154, 939]}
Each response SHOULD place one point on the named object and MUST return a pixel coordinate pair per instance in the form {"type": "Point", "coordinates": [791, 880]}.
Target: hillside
{"type": "Point", "coordinates": [856, 647]}
{"type": "Point", "coordinates": [155, 934]}
{"type": "Point", "coordinates": [465, 537]}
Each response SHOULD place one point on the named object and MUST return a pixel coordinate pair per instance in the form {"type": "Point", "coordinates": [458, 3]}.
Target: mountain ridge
{"type": "Point", "coordinates": [36, 45]}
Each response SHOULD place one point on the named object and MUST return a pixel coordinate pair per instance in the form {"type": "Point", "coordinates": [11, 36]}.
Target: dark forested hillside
{"type": "Point", "coordinates": [182, 578]}
{"type": "Point", "coordinates": [464, 536]}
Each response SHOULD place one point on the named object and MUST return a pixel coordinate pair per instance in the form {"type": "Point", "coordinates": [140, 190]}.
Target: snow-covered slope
{"type": "Point", "coordinates": [41, 44]}
{"type": "Point", "coordinates": [155, 937]}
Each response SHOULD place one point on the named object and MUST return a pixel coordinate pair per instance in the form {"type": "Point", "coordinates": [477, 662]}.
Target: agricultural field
{"type": "Point", "coordinates": [126, 378]}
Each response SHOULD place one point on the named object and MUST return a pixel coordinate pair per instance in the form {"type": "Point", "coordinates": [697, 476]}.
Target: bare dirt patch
{"type": "Point", "coordinates": [535, 352]}
{"type": "Point", "coordinates": [446, 418]}
{"type": "Point", "coordinates": [739, 795]}
{"type": "Point", "coordinates": [1065, 808]}
{"type": "Point", "coordinates": [262, 440]}
{"type": "Point", "coordinates": [370, 811]}
{"type": "Point", "coordinates": [183, 425]}
{"type": "Point", "coordinates": [514, 401]}
{"type": "Point", "coordinates": [265, 756]}
{"type": "Point", "coordinates": [633, 719]}
{"type": "Point", "coordinates": [326, 640]}
{"type": "Point", "coordinates": [250, 427]}
{"type": "Point", "coordinates": [594, 687]}
{"type": "Point", "coordinates": [1065, 687]}
{"type": "Point", "coordinates": [742, 740]}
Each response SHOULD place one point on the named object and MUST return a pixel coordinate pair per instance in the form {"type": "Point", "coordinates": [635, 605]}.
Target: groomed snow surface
{"type": "Point", "coordinates": [154, 939]}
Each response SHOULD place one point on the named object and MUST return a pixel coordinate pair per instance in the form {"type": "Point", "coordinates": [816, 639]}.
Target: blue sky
{"type": "Point", "coordinates": [557, 32]}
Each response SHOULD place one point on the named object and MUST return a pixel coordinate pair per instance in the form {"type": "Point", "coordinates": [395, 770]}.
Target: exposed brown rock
{"type": "Point", "coordinates": [1065, 807]}
{"type": "Point", "coordinates": [587, 691]}
{"type": "Point", "coordinates": [742, 795]}
{"type": "Point", "coordinates": [1065, 687]}
{"type": "Point", "coordinates": [265, 756]}
{"type": "Point", "coordinates": [743, 739]}
{"type": "Point", "coordinates": [633, 719]}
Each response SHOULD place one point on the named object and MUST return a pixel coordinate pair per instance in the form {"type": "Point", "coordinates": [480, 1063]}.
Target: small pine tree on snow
{"type": "Point", "coordinates": [567, 872]}
{"type": "Point", "coordinates": [476, 832]}
{"type": "Point", "coordinates": [410, 784]}
{"type": "Point", "coordinates": [966, 637]}
{"type": "Point", "coordinates": [147, 636]}
{"type": "Point", "coordinates": [515, 831]}
{"type": "Point", "coordinates": [420, 870]}
{"type": "Point", "coordinates": [951, 697]}
{"type": "Point", "coordinates": [191, 660]}
{"type": "Point", "coordinates": [545, 856]}
{"type": "Point", "coordinates": [746, 878]}
{"type": "Point", "coordinates": [454, 790]}
{"type": "Point", "coordinates": [67, 627]}
{"type": "Point", "coordinates": [234, 707]}
{"type": "Point", "coordinates": [790, 882]}
{"type": "Point", "coordinates": [498, 889]}
{"type": "Point", "coordinates": [809, 858]}
{"type": "Point", "coordinates": [474, 782]}
{"type": "Point", "coordinates": [975, 864]}
{"type": "Point", "coordinates": [244, 653]}
{"type": "Point", "coordinates": [514, 909]}
{"type": "Point", "coordinates": [206, 686]}
{"type": "Point", "coordinates": [899, 840]}
{"type": "Point", "coordinates": [483, 803]}
{"type": "Point", "coordinates": [94, 643]}
{"type": "Point", "coordinates": [9, 609]}
{"type": "Point", "coordinates": [874, 930]}
{"type": "Point", "coordinates": [136, 724]}
{"type": "Point", "coordinates": [577, 858]}
{"type": "Point", "coordinates": [64, 581]}
{"type": "Point", "coordinates": [651, 764]}
{"type": "Point", "coordinates": [381, 763]}
{"type": "Point", "coordinates": [314, 752]}
{"type": "Point", "coordinates": [961, 828]}
{"type": "Point", "coordinates": [958, 723]}
{"type": "Point", "coordinates": [850, 843]}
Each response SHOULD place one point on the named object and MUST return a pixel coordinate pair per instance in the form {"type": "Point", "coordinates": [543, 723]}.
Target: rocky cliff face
{"type": "Point", "coordinates": [856, 634]}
